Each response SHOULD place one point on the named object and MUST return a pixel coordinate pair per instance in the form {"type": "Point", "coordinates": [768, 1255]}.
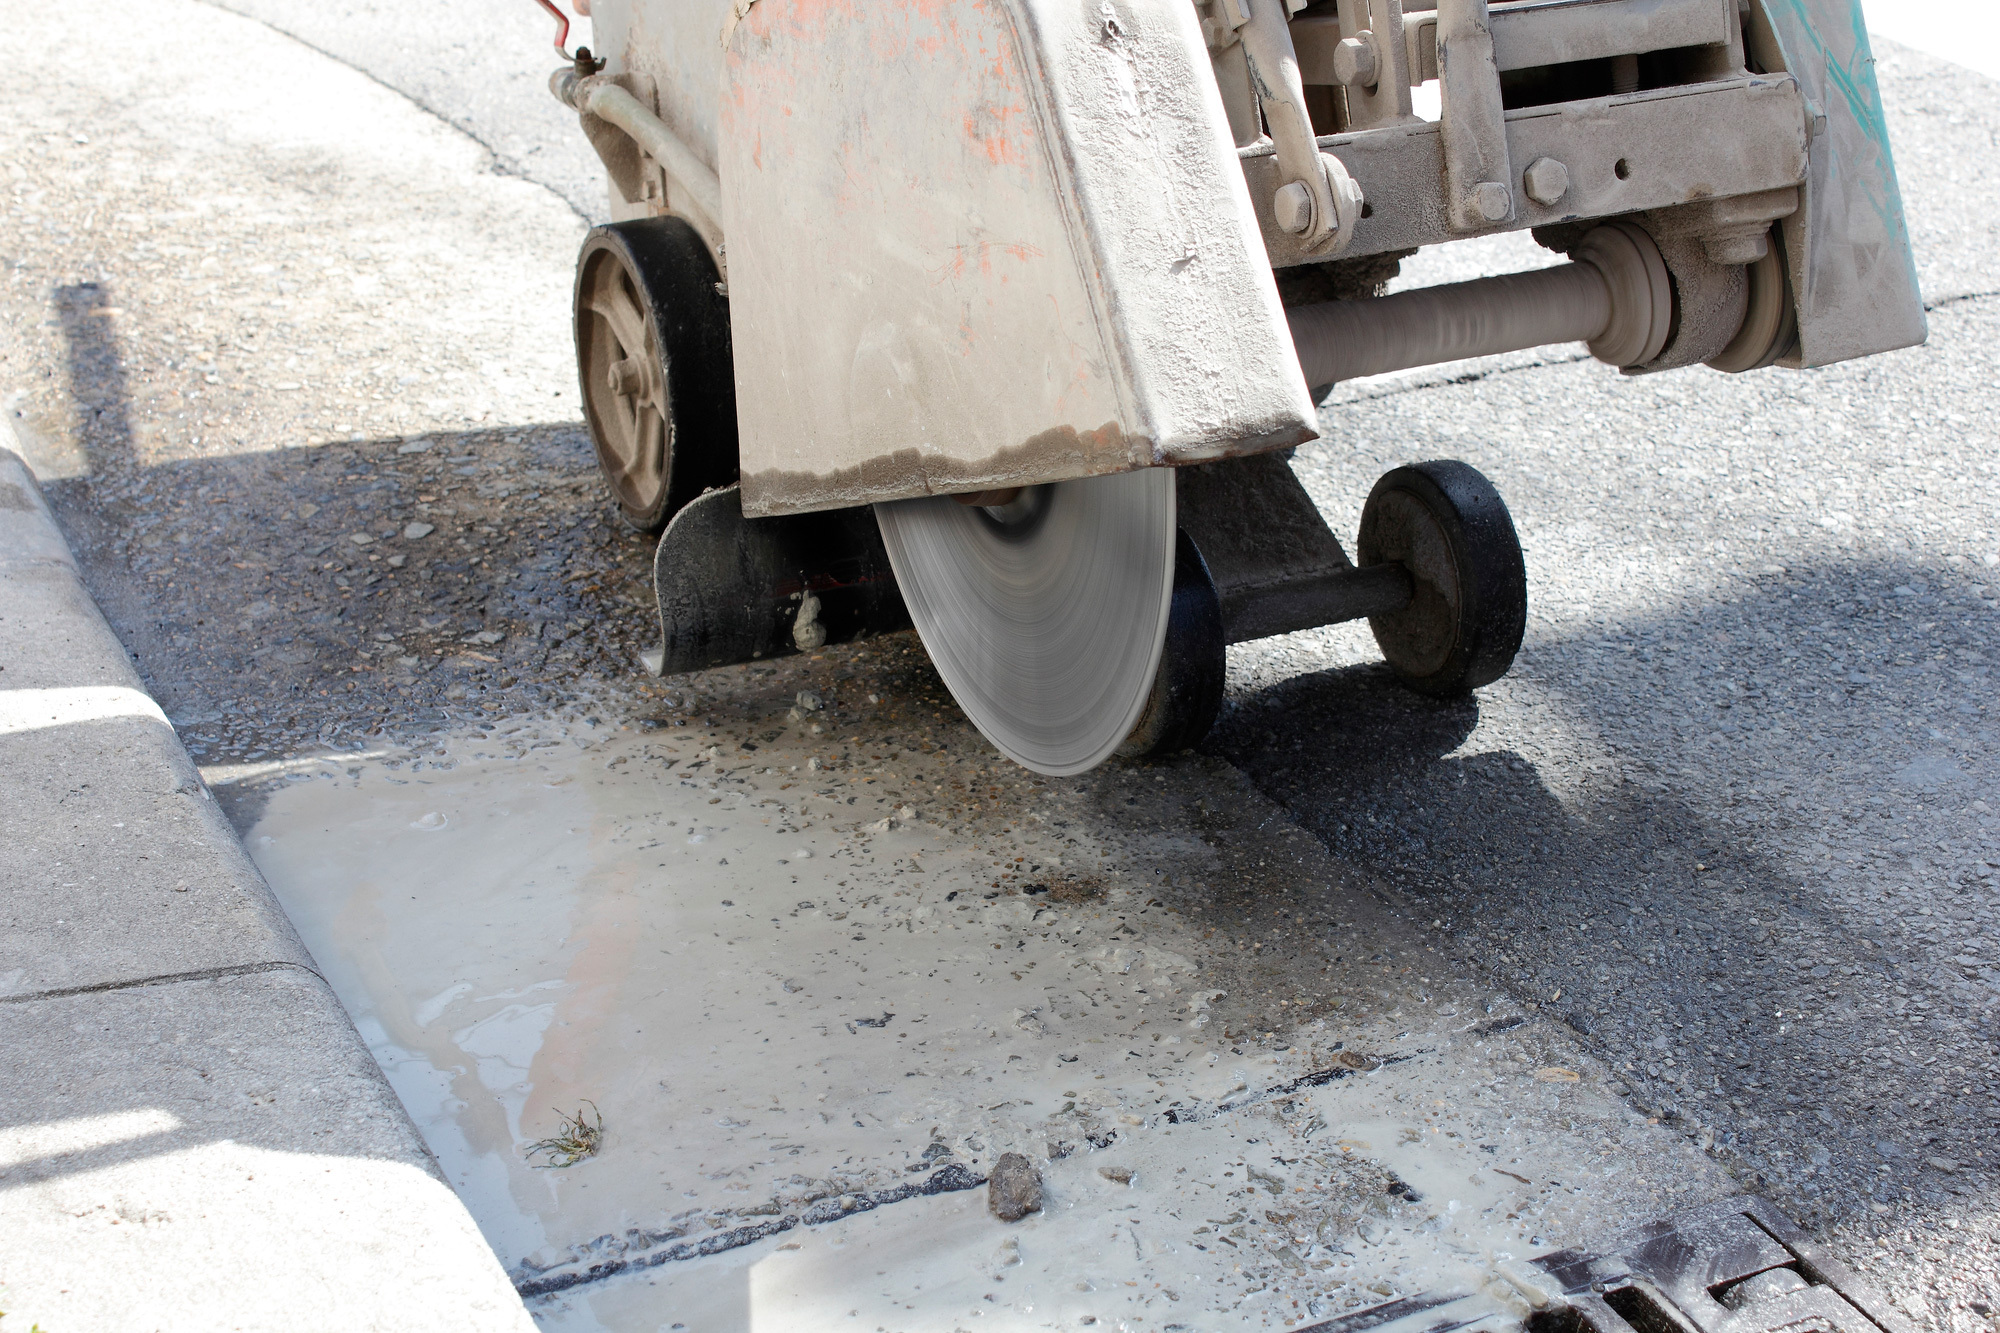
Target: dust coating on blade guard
{"type": "Point", "coordinates": [1045, 616]}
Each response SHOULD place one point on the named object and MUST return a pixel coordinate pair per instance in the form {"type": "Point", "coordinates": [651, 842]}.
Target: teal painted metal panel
{"type": "Point", "coordinates": [1848, 246]}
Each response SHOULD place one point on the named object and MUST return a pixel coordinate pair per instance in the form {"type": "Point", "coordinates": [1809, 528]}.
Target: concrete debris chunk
{"type": "Point", "coordinates": [1014, 1188]}
{"type": "Point", "coordinates": [412, 531]}
{"type": "Point", "coordinates": [807, 632]}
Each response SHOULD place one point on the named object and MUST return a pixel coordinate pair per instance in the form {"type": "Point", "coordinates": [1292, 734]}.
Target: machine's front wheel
{"type": "Point", "coordinates": [1445, 523]}
{"type": "Point", "coordinates": [652, 352]}
{"type": "Point", "coordinates": [1187, 685]}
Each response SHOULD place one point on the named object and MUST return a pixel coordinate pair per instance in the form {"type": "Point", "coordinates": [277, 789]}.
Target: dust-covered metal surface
{"type": "Point", "coordinates": [1737, 1264]}
{"type": "Point", "coordinates": [1014, 193]}
{"type": "Point", "coordinates": [1622, 154]}
{"type": "Point", "coordinates": [669, 53]}
{"type": "Point", "coordinates": [1067, 201]}
{"type": "Point", "coordinates": [1848, 247]}
{"type": "Point", "coordinates": [732, 589]}
{"type": "Point", "coordinates": [1277, 566]}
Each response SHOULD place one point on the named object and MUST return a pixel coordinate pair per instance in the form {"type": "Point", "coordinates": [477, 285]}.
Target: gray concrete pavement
{"type": "Point", "coordinates": [222, 1153]}
{"type": "Point", "coordinates": [1665, 835]}
{"type": "Point", "coordinates": [190, 1133]}
{"type": "Point", "coordinates": [121, 867]}
{"type": "Point", "coordinates": [480, 65]}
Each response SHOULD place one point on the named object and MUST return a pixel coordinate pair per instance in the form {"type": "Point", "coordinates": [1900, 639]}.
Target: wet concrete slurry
{"type": "Point", "coordinates": [314, 314]}
{"type": "Point", "coordinates": [817, 969]}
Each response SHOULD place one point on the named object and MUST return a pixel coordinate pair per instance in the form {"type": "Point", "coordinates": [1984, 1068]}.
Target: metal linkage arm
{"type": "Point", "coordinates": [1317, 201]}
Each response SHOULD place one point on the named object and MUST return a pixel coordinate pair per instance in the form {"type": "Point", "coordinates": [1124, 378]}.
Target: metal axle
{"type": "Point", "coordinates": [1616, 297]}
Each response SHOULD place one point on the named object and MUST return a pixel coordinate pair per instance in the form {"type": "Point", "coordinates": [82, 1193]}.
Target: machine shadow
{"type": "Point", "coordinates": [1704, 958]}
{"type": "Point", "coordinates": [318, 596]}
{"type": "Point", "coordinates": [295, 597]}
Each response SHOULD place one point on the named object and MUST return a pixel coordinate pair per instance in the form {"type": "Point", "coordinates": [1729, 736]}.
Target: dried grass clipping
{"type": "Point", "coordinates": [578, 1139]}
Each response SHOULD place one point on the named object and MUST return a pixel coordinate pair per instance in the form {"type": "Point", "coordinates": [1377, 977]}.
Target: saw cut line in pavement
{"type": "Point", "coordinates": [1319, 1078]}
{"type": "Point", "coordinates": [166, 979]}
{"type": "Point", "coordinates": [947, 1180]}
{"type": "Point", "coordinates": [1388, 1313]}
{"type": "Point", "coordinates": [500, 163]}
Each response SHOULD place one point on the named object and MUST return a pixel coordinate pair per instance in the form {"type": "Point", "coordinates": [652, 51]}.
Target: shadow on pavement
{"type": "Point", "coordinates": [1784, 1017]}
{"type": "Point", "coordinates": [96, 371]}
{"type": "Point", "coordinates": [298, 598]}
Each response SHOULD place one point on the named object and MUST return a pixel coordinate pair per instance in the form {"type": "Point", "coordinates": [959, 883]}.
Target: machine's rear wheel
{"type": "Point", "coordinates": [1044, 614]}
{"type": "Point", "coordinates": [1187, 687]}
{"type": "Point", "coordinates": [652, 352]}
{"type": "Point", "coordinates": [1445, 523]}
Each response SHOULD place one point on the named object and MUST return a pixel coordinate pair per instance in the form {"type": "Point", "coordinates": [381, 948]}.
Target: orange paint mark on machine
{"type": "Point", "coordinates": [1002, 132]}
{"type": "Point", "coordinates": [980, 254]}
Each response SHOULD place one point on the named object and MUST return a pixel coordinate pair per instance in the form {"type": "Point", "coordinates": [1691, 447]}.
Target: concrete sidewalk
{"type": "Point", "coordinates": [191, 1133]}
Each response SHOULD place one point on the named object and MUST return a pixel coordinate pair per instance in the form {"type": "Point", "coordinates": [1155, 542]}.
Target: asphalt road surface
{"type": "Point", "coordinates": [297, 359]}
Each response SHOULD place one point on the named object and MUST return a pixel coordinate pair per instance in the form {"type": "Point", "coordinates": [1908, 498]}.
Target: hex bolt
{"type": "Point", "coordinates": [1493, 200]}
{"type": "Point", "coordinates": [1355, 62]}
{"type": "Point", "coordinates": [1292, 205]}
{"type": "Point", "coordinates": [1546, 180]}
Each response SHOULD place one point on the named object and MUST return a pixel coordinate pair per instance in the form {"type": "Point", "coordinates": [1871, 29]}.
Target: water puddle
{"type": "Point", "coordinates": [811, 1020]}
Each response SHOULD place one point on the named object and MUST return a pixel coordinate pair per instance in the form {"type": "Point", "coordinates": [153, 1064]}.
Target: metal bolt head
{"type": "Point", "coordinates": [1546, 180]}
{"type": "Point", "coordinates": [1493, 200]}
{"type": "Point", "coordinates": [624, 377]}
{"type": "Point", "coordinates": [1355, 62]}
{"type": "Point", "coordinates": [1292, 205]}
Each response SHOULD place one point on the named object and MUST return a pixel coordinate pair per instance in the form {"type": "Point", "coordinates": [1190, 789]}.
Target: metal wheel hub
{"type": "Point", "coordinates": [1421, 634]}
{"type": "Point", "coordinates": [1045, 615]}
{"type": "Point", "coordinates": [622, 379]}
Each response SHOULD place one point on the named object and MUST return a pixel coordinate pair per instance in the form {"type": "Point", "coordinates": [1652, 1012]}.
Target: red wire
{"type": "Point", "coordinates": [562, 27]}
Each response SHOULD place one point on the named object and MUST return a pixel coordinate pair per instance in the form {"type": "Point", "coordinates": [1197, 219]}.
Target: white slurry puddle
{"type": "Point", "coordinates": [810, 1023]}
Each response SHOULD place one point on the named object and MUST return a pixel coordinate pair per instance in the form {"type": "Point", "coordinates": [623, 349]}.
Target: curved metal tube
{"type": "Point", "coordinates": [612, 104]}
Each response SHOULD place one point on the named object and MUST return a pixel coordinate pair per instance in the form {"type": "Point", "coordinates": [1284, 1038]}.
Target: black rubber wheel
{"type": "Point", "coordinates": [1187, 688]}
{"type": "Point", "coordinates": [1446, 524]}
{"type": "Point", "coordinates": [652, 354]}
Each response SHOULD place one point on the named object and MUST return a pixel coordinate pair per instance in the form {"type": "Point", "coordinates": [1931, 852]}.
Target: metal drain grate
{"type": "Point", "coordinates": [1736, 1266]}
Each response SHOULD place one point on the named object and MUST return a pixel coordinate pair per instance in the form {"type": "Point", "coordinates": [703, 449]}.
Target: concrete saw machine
{"type": "Point", "coordinates": [1000, 318]}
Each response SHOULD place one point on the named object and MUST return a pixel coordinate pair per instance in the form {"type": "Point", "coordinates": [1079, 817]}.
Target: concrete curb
{"type": "Point", "coordinates": [191, 1132]}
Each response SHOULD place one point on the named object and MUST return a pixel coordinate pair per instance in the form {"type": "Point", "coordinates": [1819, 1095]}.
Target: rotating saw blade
{"type": "Point", "coordinates": [1044, 615]}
